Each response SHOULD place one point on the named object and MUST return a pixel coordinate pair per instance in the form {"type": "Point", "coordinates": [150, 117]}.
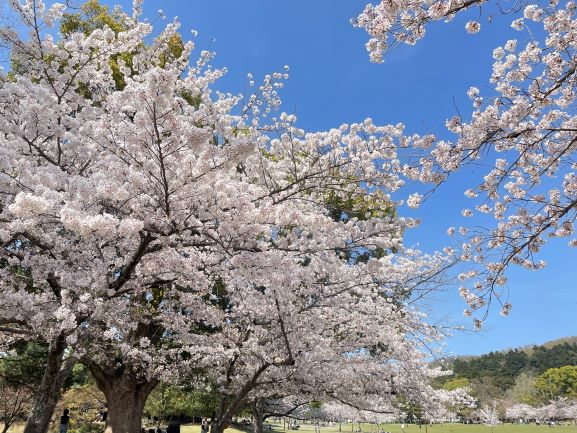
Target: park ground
{"type": "Point", "coordinates": [393, 428]}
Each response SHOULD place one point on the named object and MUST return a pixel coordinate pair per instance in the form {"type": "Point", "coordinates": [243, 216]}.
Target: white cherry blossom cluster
{"type": "Point", "coordinates": [523, 132]}
{"type": "Point", "coordinates": [390, 23]}
{"type": "Point", "coordinates": [489, 415]}
{"type": "Point", "coordinates": [558, 409]}
{"type": "Point", "coordinates": [562, 408]}
{"type": "Point", "coordinates": [521, 411]}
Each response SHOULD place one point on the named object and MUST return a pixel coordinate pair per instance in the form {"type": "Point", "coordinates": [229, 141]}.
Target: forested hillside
{"type": "Point", "coordinates": [532, 374]}
{"type": "Point", "coordinates": [504, 367]}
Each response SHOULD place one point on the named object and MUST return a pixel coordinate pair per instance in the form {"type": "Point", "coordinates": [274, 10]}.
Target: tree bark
{"type": "Point", "coordinates": [56, 371]}
{"type": "Point", "coordinates": [217, 426]}
{"type": "Point", "coordinates": [229, 405]}
{"type": "Point", "coordinates": [125, 409]}
{"type": "Point", "coordinates": [126, 395]}
{"type": "Point", "coordinates": [257, 409]}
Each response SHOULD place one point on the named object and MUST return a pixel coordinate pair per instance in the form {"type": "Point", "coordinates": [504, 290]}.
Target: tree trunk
{"type": "Point", "coordinates": [56, 371]}
{"type": "Point", "coordinates": [125, 409]}
{"type": "Point", "coordinates": [126, 395]}
{"type": "Point", "coordinates": [230, 405]}
{"type": "Point", "coordinates": [217, 426]}
{"type": "Point", "coordinates": [257, 409]}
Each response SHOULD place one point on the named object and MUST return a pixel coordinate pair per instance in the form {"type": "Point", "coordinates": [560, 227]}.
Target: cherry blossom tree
{"type": "Point", "coordinates": [327, 345]}
{"type": "Point", "coordinates": [558, 409]}
{"type": "Point", "coordinates": [151, 226]}
{"type": "Point", "coordinates": [520, 411]}
{"type": "Point", "coordinates": [339, 412]}
{"type": "Point", "coordinates": [443, 405]}
{"type": "Point", "coordinates": [367, 394]}
{"type": "Point", "coordinates": [524, 132]}
{"type": "Point", "coordinates": [49, 287]}
{"type": "Point", "coordinates": [567, 409]}
{"type": "Point", "coordinates": [489, 416]}
{"type": "Point", "coordinates": [279, 406]}
{"type": "Point", "coordinates": [333, 411]}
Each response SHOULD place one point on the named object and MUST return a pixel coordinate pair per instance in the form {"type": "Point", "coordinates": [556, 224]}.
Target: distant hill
{"type": "Point", "coordinates": [501, 368]}
{"type": "Point", "coordinates": [529, 348]}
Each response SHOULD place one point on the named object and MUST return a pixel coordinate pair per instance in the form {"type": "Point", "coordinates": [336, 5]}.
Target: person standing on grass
{"type": "Point", "coordinates": [64, 421]}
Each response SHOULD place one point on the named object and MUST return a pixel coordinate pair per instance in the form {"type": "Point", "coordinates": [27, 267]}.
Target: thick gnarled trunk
{"type": "Point", "coordinates": [56, 371]}
{"type": "Point", "coordinates": [126, 395]}
{"type": "Point", "coordinates": [125, 407]}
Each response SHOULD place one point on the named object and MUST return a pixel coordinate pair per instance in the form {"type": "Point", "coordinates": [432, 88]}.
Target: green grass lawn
{"type": "Point", "coordinates": [411, 428]}
{"type": "Point", "coordinates": [392, 428]}
{"type": "Point", "coordinates": [448, 428]}
{"type": "Point", "coordinates": [442, 428]}
{"type": "Point", "coordinates": [193, 428]}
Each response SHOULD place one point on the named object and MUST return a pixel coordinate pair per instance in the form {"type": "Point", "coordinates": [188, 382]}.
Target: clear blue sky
{"type": "Point", "coordinates": [332, 82]}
